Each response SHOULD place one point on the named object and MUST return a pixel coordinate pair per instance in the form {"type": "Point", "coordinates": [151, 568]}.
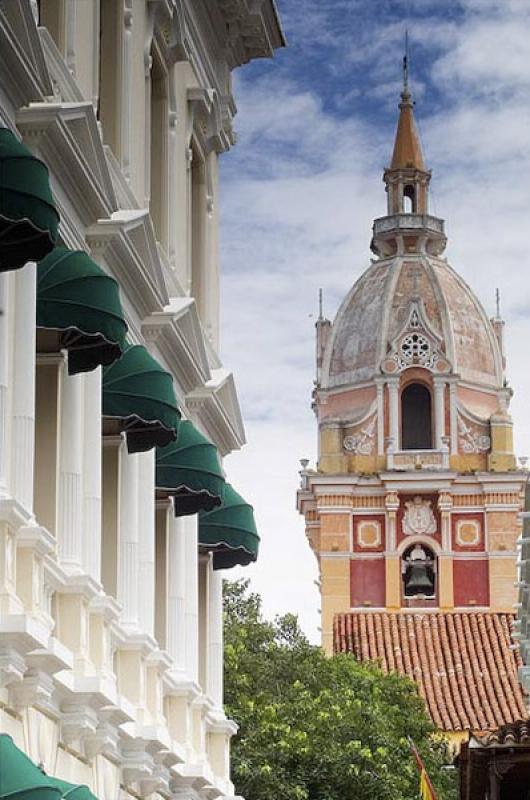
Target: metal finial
{"type": "Point", "coordinates": [320, 315]}
{"type": "Point", "coordinates": [498, 302]}
{"type": "Point", "coordinates": [406, 64]}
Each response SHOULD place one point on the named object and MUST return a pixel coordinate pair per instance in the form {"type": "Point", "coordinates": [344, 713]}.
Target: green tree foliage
{"type": "Point", "coordinates": [317, 728]}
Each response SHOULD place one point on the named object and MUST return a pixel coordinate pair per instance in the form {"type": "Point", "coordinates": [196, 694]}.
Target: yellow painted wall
{"type": "Point", "coordinates": [335, 589]}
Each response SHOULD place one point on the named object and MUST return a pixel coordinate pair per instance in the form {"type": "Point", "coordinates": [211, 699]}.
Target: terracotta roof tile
{"type": "Point", "coordinates": [464, 663]}
{"type": "Point", "coordinates": [513, 733]}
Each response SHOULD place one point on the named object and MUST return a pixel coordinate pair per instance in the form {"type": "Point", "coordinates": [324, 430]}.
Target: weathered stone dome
{"type": "Point", "coordinates": [411, 311]}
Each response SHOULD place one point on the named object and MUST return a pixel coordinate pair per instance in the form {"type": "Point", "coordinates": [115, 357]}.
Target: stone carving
{"type": "Point", "coordinates": [419, 518]}
{"type": "Point", "coordinates": [417, 344]}
{"type": "Point", "coordinates": [361, 443]}
{"type": "Point", "coordinates": [472, 441]}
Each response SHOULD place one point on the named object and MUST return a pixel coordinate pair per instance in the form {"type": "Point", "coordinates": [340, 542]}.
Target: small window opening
{"type": "Point", "coordinates": [409, 200]}
{"type": "Point", "coordinates": [419, 572]}
{"type": "Point", "coordinates": [416, 418]}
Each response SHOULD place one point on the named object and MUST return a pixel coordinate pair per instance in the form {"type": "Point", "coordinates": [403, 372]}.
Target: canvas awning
{"type": "Point", "coordinates": [76, 298]}
{"type": "Point", "coordinates": [20, 778]}
{"type": "Point", "coordinates": [28, 217]}
{"type": "Point", "coordinates": [72, 791]}
{"type": "Point", "coordinates": [229, 532]}
{"type": "Point", "coordinates": [190, 470]}
{"type": "Point", "coordinates": [139, 392]}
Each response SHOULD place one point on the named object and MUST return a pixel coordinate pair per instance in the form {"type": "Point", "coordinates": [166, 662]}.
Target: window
{"type": "Point", "coordinates": [419, 572]}
{"type": "Point", "coordinates": [159, 189]}
{"type": "Point", "coordinates": [416, 418]}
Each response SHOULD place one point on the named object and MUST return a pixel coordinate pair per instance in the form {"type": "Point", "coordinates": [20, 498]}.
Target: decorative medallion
{"type": "Point", "coordinates": [369, 533]}
{"type": "Point", "coordinates": [361, 443]}
{"type": "Point", "coordinates": [419, 518]}
{"type": "Point", "coordinates": [468, 532]}
{"type": "Point", "coordinates": [472, 440]}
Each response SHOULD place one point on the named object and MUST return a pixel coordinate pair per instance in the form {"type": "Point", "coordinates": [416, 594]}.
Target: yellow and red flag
{"type": "Point", "coordinates": [426, 788]}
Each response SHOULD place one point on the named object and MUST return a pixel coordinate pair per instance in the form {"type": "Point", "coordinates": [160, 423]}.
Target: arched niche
{"type": "Point", "coordinates": [419, 571]}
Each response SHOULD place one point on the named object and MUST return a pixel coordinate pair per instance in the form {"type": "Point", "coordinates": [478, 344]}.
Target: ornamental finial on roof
{"type": "Point", "coordinates": [405, 94]}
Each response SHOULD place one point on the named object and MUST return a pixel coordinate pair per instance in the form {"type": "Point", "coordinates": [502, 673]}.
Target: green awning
{"type": "Point", "coordinates": [28, 217]}
{"type": "Point", "coordinates": [20, 778]}
{"type": "Point", "coordinates": [139, 392]}
{"type": "Point", "coordinates": [79, 300]}
{"type": "Point", "coordinates": [190, 470]}
{"type": "Point", "coordinates": [72, 791]}
{"type": "Point", "coordinates": [229, 532]}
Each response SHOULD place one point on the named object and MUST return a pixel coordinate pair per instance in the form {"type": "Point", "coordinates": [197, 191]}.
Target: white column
{"type": "Point", "coordinates": [380, 420]}
{"type": "Point", "coordinates": [128, 567]}
{"type": "Point", "coordinates": [146, 540]}
{"type": "Point", "coordinates": [453, 418]}
{"type": "Point", "coordinates": [215, 614]}
{"type": "Point", "coordinates": [70, 496]}
{"type": "Point", "coordinates": [177, 583]}
{"type": "Point", "coordinates": [23, 433]}
{"type": "Point", "coordinates": [4, 368]}
{"type": "Point", "coordinates": [439, 413]}
{"type": "Point", "coordinates": [190, 525]}
{"type": "Point", "coordinates": [92, 461]}
{"type": "Point", "coordinates": [393, 411]}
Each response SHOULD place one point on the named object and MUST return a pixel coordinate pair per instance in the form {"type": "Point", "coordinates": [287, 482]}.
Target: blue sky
{"type": "Point", "coordinates": [300, 191]}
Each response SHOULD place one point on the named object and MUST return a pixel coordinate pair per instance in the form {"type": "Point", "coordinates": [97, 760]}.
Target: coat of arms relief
{"type": "Point", "coordinates": [419, 518]}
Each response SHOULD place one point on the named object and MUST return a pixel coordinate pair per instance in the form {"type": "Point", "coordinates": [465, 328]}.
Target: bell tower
{"type": "Point", "coordinates": [414, 501]}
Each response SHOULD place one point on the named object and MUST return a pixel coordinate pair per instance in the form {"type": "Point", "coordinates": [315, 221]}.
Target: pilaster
{"type": "Point", "coordinates": [23, 403]}
{"type": "Point", "coordinates": [70, 495]}
{"type": "Point", "coordinates": [177, 582]}
{"type": "Point", "coordinates": [92, 456]}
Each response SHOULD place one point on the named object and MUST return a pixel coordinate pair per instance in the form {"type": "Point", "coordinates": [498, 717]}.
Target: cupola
{"type": "Point", "coordinates": [408, 226]}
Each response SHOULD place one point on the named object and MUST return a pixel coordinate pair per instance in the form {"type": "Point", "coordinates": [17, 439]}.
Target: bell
{"type": "Point", "coordinates": [418, 580]}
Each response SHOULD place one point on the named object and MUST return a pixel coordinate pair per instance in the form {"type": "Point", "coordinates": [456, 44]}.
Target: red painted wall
{"type": "Point", "coordinates": [471, 581]}
{"type": "Point", "coordinates": [367, 582]}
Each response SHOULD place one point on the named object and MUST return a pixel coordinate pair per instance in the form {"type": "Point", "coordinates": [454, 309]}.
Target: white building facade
{"type": "Point", "coordinates": [110, 602]}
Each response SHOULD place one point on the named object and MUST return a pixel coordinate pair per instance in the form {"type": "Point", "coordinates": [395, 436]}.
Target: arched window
{"type": "Point", "coordinates": [419, 572]}
{"type": "Point", "coordinates": [416, 418]}
{"type": "Point", "coordinates": [409, 199]}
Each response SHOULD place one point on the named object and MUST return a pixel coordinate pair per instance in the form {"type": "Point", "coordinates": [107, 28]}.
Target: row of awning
{"type": "Point", "coordinates": [80, 303]}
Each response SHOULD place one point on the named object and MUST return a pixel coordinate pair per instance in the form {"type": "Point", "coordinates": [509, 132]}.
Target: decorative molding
{"type": "Point", "coordinates": [419, 519]}
{"type": "Point", "coordinates": [178, 334]}
{"type": "Point", "coordinates": [68, 139]}
{"type": "Point", "coordinates": [417, 344]}
{"type": "Point", "coordinates": [127, 243]}
{"type": "Point", "coordinates": [362, 443]}
{"type": "Point", "coordinates": [472, 440]}
{"type": "Point", "coordinates": [21, 55]}
{"type": "Point", "coordinates": [217, 407]}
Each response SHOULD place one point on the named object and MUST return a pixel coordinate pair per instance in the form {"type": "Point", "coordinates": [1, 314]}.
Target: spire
{"type": "Point", "coordinates": [407, 147]}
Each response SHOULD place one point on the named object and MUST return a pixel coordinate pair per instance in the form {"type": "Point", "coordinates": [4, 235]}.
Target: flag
{"type": "Point", "coordinates": [426, 788]}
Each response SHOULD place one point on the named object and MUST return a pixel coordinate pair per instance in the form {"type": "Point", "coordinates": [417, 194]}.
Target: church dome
{"type": "Point", "coordinates": [411, 311]}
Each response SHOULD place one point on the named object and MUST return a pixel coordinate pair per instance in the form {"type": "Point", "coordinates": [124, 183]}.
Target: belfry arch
{"type": "Point", "coordinates": [416, 417]}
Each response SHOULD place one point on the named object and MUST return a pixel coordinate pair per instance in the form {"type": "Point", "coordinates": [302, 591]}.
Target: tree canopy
{"type": "Point", "coordinates": [318, 728]}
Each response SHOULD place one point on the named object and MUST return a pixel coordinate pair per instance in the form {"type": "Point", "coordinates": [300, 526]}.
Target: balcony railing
{"type": "Point", "coordinates": [408, 222]}
{"type": "Point", "coordinates": [406, 460]}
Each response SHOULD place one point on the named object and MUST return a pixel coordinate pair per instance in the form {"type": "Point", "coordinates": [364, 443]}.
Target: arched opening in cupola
{"type": "Point", "coordinates": [416, 418]}
{"type": "Point", "coordinates": [409, 199]}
